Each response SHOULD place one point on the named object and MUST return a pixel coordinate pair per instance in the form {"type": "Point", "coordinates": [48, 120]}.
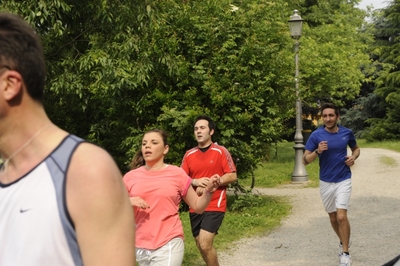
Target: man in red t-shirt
{"type": "Point", "coordinates": [200, 163]}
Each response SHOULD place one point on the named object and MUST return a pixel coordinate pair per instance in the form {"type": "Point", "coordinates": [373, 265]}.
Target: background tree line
{"type": "Point", "coordinates": [375, 114]}
{"type": "Point", "coordinates": [118, 68]}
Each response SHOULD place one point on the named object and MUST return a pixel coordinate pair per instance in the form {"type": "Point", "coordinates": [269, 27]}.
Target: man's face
{"type": "Point", "coordinates": [202, 133]}
{"type": "Point", "coordinates": [330, 118]}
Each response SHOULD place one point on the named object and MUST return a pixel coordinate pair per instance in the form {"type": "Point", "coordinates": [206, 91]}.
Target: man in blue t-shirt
{"type": "Point", "coordinates": [329, 143]}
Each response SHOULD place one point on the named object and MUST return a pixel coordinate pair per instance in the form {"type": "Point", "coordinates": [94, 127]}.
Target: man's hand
{"type": "Point", "coordinates": [214, 181]}
{"type": "Point", "coordinates": [350, 160]}
{"type": "Point", "coordinates": [322, 146]}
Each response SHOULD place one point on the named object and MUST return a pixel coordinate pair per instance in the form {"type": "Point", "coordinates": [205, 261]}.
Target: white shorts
{"type": "Point", "coordinates": [171, 254]}
{"type": "Point", "coordinates": [335, 195]}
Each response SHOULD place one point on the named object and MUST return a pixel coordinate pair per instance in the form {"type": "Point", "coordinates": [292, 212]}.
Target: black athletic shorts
{"type": "Point", "coordinates": [208, 221]}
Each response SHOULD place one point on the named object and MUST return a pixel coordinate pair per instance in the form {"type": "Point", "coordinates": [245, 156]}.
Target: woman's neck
{"type": "Point", "coordinates": [155, 166]}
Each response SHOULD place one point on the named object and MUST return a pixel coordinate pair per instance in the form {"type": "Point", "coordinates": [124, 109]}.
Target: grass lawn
{"type": "Point", "coordinates": [262, 214]}
{"type": "Point", "coordinates": [390, 145]}
{"type": "Point", "coordinates": [278, 170]}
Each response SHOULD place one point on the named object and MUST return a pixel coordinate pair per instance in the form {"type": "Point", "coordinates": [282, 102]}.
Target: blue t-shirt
{"type": "Point", "coordinates": [331, 162]}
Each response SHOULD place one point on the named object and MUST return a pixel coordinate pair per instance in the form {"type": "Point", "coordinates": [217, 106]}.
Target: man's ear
{"type": "Point", "coordinates": [211, 132]}
{"type": "Point", "coordinates": [13, 85]}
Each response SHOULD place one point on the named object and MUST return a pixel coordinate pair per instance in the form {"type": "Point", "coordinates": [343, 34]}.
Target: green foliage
{"type": "Point", "coordinates": [358, 117]}
{"type": "Point", "coordinates": [333, 52]}
{"type": "Point", "coordinates": [232, 80]}
{"type": "Point", "coordinates": [246, 201]}
{"type": "Point", "coordinates": [119, 68]}
{"type": "Point", "coordinates": [385, 53]}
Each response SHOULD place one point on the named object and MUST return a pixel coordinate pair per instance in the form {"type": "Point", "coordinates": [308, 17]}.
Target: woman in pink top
{"type": "Point", "coordinates": [156, 190]}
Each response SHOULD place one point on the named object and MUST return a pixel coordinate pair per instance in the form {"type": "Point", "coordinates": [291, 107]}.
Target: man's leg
{"type": "Point", "coordinates": [204, 242]}
{"type": "Point", "coordinates": [344, 228]}
{"type": "Point", "coordinates": [204, 228]}
{"type": "Point", "coordinates": [343, 195]}
{"type": "Point", "coordinates": [334, 223]}
{"type": "Point", "coordinates": [341, 226]}
{"type": "Point", "coordinates": [334, 196]}
{"type": "Point", "coordinates": [327, 191]}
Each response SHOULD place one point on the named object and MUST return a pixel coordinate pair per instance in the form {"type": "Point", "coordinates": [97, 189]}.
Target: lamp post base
{"type": "Point", "coordinates": [299, 180]}
{"type": "Point", "coordinates": [299, 174]}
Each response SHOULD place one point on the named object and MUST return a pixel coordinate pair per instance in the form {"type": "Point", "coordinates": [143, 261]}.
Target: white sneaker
{"type": "Point", "coordinates": [345, 260]}
{"type": "Point", "coordinates": [341, 249]}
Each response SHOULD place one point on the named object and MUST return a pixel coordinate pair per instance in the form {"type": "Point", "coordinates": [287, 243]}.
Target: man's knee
{"type": "Point", "coordinates": [204, 245]}
{"type": "Point", "coordinates": [205, 248]}
{"type": "Point", "coordinates": [341, 216]}
{"type": "Point", "coordinates": [197, 240]}
{"type": "Point", "coordinates": [205, 240]}
{"type": "Point", "coordinates": [333, 218]}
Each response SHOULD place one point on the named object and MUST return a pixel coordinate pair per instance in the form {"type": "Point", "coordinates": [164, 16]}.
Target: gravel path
{"type": "Point", "coordinates": [305, 237]}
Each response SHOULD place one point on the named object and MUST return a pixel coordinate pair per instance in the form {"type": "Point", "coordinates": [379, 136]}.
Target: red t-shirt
{"type": "Point", "coordinates": [216, 160]}
{"type": "Point", "coordinates": [163, 191]}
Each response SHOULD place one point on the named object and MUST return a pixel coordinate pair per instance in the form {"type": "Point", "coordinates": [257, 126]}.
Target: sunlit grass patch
{"type": "Point", "coordinates": [389, 161]}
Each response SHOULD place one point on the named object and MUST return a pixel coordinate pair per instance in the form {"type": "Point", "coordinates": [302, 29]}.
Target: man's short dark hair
{"type": "Point", "coordinates": [21, 50]}
{"type": "Point", "coordinates": [331, 106]}
{"type": "Point", "coordinates": [211, 124]}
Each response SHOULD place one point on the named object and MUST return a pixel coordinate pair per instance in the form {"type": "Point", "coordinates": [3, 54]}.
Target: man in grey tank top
{"type": "Point", "coordinates": [56, 206]}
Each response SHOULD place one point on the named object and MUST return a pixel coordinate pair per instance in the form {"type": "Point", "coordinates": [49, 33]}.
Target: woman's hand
{"type": "Point", "coordinates": [139, 202]}
{"type": "Point", "coordinates": [202, 182]}
{"type": "Point", "coordinates": [213, 183]}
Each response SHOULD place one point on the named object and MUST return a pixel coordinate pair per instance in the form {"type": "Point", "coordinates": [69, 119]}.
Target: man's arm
{"type": "Point", "coordinates": [355, 153]}
{"type": "Point", "coordinates": [228, 178]}
{"type": "Point", "coordinates": [309, 157]}
{"type": "Point", "coordinates": [100, 209]}
{"type": "Point", "coordinates": [228, 167]}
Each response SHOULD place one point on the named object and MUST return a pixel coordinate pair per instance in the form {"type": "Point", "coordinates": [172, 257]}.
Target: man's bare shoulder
{"type": "Point", "coordinates": [96, 199]}
{"type": "Point", "coordinates": [93, 161]}
{"type": "Point", "coordinates": [93, 175]}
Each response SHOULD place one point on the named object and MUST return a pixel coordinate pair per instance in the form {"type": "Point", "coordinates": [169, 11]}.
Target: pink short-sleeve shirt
{"type": "Point", "coordinates": [163, 191]}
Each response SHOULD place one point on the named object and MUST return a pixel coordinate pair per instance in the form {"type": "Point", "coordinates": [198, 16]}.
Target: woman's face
{"type": "Point", "coordinates": [153, 148]}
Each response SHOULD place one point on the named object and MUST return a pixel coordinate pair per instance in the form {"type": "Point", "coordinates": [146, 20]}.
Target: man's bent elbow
{"type": "Point", "coordinates": [199, 211]}
{"type": "Point", "coordinates": [234, 178]}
